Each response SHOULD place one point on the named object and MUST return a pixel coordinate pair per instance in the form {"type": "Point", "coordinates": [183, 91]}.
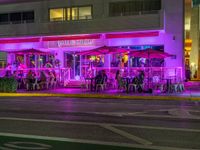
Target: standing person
{"type": "Point", "coordinates": [188, 73]}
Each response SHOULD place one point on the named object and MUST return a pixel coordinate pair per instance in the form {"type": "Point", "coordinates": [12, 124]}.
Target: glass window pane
{"type": "Point", "coordinates": [74, 13]}
{"type": "Point", "coordinates": [68, 14]}
{"type": "Point", "coordinates": [133, 7]}
{"type": "Point", "coordinates": [85, 12]}
{"type": "Point", "coordinates": [16, 17]}
{"type": "Point", "coordinates": [4, 18]}
{"type": "Point", "coordinates": [57, 14]}
{"type": "Point", "coordinates": [28, 16]}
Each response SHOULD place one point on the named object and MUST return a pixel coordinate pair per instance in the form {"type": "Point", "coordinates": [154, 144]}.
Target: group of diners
{"type": "Point", "coordinates": [35, 80]}
{"type": "Point", "coordinates": [128, 83]}
{"type": "Point", "coordinates": [138, 82]}
{"type": "Point", "coordinates": [101, 81]}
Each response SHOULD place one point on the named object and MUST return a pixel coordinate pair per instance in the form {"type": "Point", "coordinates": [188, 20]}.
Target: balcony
{"type": "Point", "coordinates": [136, 22]}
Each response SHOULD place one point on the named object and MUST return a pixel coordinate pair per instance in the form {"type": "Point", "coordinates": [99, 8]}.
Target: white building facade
{"type": "Point", "coordinates": [64, 26]}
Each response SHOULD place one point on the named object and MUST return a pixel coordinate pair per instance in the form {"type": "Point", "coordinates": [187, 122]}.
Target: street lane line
{"type": "Point", "coordinates": [127, 135]}
{"type": "Point", "coordinates": [37, 137]}
{"type": "Point", "coordinates": [92, 123]}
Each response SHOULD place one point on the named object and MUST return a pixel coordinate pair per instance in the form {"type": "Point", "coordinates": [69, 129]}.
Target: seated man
{"type": "Point", "coordinates": [30, 80]}
{"type": "Point", "coordinates": [98, 79]}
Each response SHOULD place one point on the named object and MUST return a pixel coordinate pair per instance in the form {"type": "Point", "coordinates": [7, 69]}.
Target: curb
{"type": "Point", "coordinates": [100, 96]}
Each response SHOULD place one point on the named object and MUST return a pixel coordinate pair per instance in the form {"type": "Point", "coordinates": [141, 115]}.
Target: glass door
{"type": "Point", "coordinates": [72, 61]}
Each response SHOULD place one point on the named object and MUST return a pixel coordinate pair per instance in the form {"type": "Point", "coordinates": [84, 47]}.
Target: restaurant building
{"type": "Point", "coordinates": [39, 32]}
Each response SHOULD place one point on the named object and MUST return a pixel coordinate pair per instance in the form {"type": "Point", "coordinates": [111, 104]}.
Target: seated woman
{"type": "Point", "coordinates": [42, 80]}
{"type": "Point", "coordinates": [140, 81]}
{"type": "Point", "coordinates": [52, 76]}
{"type": "Point", "coordinates": [118, 77]}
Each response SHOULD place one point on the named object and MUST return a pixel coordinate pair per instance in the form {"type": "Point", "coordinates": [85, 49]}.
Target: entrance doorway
{"type": "Point", "coordinates": [73, 62]}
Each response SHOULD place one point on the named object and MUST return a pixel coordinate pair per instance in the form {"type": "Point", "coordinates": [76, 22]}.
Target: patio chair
{"type": "Point", "coordinates": [132, 86]}
{"type": "Point", "coordinates": [181, 87]}
{"type": "Point", "coordinates": [135, 85]}
{"type": "Point", "coordinates": [35, 85]}
{"type": "Point", "coordinates": [84, 83]}
{"type": "Point", "coordinates": [121, 84]}
{"type": "Point", "coordinates": [101, 85]}
{"type": "Point", "coordinates": [178, 86]}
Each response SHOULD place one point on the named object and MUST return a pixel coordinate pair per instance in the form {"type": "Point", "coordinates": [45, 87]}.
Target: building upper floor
{"type": "Point", "coordinates": [55, 17]}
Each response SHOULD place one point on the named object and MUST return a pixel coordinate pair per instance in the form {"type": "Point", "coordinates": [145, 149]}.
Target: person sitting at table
{"type": "Point", "coordinates": [52, 77]}
{"type": "Point", "coordinates": [30, 80]}
{"type": "Point", "coordinates": [98, 79]}
{"type": "Point", "coordinates": [42, 80]}
{"type": "Point", "coordinates": [105, 77]}
{"type": "Point", "coordinates": [140, 81]}
{"type": "Point", "coordinates": [118, 78]}
{"type": "Point", "coordinates": [21, 80]}
{"type": "Point", "coordinates": [141, 77]}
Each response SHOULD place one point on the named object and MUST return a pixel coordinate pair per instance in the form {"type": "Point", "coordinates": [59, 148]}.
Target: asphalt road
{"type": "Point", "coordinates": [150, 124]}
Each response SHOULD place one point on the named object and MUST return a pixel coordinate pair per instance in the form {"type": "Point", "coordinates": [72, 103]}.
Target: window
{"type": "Point", "coordinates": [85, 13]}
{"type": "Point", "coordinates": [3, 57]}
{"type": "Point", "coordinates": [195, 2]}
{"type": "Point", "coordinates": [16, 17]}
{"type": "Point", "coordinates": [57, 14]}
{"type": "Point", "coordinates": [133, 7]}
{"type": "Point", "coordinates": [73, 13]}
{"type": "Point", "coordinates": [28, 16]}
{"type": "Point", "coordinates": [4, 18]}
{"type": "Point", "coordinates": [68, 13]}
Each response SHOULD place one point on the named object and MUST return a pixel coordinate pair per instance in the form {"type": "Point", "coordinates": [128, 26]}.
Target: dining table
{"type": "Point", "coordinates": [91, 80]}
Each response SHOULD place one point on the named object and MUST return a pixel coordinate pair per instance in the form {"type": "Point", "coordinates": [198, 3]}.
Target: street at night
{"type": "Point", "coordinates": [58, 122]}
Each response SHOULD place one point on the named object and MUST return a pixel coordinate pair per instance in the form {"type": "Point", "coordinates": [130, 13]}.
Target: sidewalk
{"type": "Point", "coordinates": [192, 92]}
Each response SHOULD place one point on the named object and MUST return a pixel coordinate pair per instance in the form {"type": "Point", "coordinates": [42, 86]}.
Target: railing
{"type": "Point", "coordinates": [63, 74]}
{"type": "Point", "coordinates": [135, 13]}
{"type": "Point", "coordinates": [154, 73]}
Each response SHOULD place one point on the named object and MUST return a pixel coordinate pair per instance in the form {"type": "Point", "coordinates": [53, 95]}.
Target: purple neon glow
{"type": "Point", "coordinates": [165, 39]}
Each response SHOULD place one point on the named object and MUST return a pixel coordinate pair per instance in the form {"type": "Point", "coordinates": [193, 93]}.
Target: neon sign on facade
{"type": "Point", "coordinates": [72, 43]}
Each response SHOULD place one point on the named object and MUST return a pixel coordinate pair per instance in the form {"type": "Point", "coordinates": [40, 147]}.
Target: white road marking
{"type": "Point", "coordinates": [127, 135]}
{"type": "Point", "coordinates": [32, 145]}
{"type": "Point", "coordinates": [90, 142]}
{"type": "Point", "coordinates": [101, 124]}
{"type": "Point", "coordinates": [142, 114]}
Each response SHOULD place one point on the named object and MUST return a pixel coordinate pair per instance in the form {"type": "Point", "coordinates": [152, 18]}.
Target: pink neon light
{"type": "Point", "coordinates": [132, 35]}
{"type": "Point", "coordinates": [62, 38]}
{"type": "Point", "coordinates": [21, 40]}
